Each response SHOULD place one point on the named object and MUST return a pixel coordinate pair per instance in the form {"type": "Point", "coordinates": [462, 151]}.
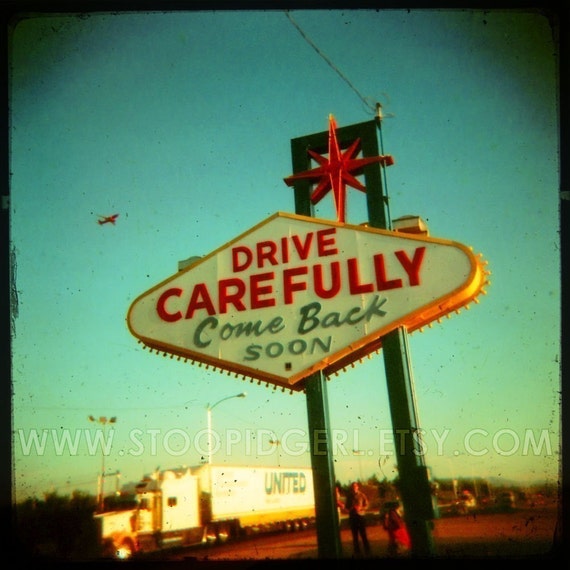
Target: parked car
{"type": "Point", "coordinates": [506, 500]}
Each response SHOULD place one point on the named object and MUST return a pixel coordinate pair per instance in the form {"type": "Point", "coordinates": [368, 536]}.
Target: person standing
{"type": "Point", "coordinates": [395, 526]}
{"type": "Point", "coordinates": [356, 505]}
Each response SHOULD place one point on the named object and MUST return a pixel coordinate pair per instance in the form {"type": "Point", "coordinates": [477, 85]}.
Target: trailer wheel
{"type": "Point", "coordinates": [222, 533]}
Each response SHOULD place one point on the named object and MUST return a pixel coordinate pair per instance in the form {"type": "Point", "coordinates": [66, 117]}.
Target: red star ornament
{"type": "Point", "coordinates": [337, 171]}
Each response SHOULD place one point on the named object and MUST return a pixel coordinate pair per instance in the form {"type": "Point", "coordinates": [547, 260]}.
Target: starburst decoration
{"type": "Point", "coordinates": [337, 171]}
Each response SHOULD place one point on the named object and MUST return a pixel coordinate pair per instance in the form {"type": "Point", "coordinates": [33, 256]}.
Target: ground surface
{"type": "Point", "coordinates": [525, 533]}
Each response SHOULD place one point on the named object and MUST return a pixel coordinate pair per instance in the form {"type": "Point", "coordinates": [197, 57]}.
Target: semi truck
{"type": "Point", "coordinates": [196, 505]}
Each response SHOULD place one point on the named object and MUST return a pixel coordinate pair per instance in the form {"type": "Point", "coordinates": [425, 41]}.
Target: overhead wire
{"type": "Point", "coordinates": [328, 60]}
{"type": "Point", "coordinates": [376, 109]}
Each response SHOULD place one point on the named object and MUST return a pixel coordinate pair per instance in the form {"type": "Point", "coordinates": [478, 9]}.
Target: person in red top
{"type": "Point", "coordinates": [356, 505]}
{"type": "Point", "coordinates": [395, 526]}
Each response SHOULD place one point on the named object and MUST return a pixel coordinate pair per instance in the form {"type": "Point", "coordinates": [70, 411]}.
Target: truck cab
{"type": "Point", "coordinates": [168, 510]}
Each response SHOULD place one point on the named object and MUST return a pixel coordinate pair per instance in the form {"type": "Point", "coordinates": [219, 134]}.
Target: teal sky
{"type": "Point", "coordinates": [181, 122]}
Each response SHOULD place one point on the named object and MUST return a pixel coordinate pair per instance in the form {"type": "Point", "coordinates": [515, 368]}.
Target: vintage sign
{"type": "Point", "coordinates": [295, 294]}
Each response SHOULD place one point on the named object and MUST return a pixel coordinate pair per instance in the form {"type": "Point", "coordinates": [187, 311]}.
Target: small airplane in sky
{"type": "Point", "coordinates": [108, 219]}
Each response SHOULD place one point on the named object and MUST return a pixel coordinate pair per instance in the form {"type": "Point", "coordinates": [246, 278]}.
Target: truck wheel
{"type": "Point", "coordinates": [125, 551]}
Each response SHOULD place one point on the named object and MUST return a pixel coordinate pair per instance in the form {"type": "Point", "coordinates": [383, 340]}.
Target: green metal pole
{"type": "Point", "coordinates": [328, 530]}
{"type": "Point", "coordinates": [414, 478]}
{"type": "Point", "coordinates": [328, 525]}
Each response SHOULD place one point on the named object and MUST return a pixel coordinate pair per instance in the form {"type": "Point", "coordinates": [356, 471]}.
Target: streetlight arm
{"type": "Point", "coordinates": [242, 395]}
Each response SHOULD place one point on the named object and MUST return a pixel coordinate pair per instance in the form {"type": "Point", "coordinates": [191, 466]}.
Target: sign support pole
{"type": "Point", "coordinates": [414, 479]}
{"type": "Point", "coordinates": [327, 520]}
{"type": "Point", "coordinates": [328, 523]}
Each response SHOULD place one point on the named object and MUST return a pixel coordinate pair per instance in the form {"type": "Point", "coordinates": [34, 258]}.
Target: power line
{"type": "Point", "coordinates": [376, 108]}
{"type": "Point", "coordinates": [329, 62]}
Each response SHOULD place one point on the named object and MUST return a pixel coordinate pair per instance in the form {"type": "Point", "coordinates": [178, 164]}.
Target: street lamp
{"type": "Point", "coordinates": [101, 479]}
{"type": "Point", "coordinates": [209, 409]}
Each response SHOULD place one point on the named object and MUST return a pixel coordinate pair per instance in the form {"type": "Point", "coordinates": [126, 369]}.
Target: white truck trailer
{"type": "Point", "coordinates": [180, 507]}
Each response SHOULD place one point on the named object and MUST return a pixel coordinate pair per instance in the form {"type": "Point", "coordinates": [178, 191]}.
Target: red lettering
{"type": "Point", "coordinates": [412, 267]}
{"type": "Point", "coordinates": [228, 297]}
{"type": "Point", "coordinates": [289, 286]}
{"type": "Point", "coordinates": [161, 308]}
{"type": "Point", "coordinates": [334, 288]}
{"type": "Point", "coordinates": [236, 265]}
{"type": "Point", "coordinates": [354, 279]}
{"type": "Point", "coordinates": [266, 250]}
{"type": "Point", "coordinates": [324, 241]}
{"type": "Point", "coordinates": [303, 248]}
{"type": "Point", "coordinates": [285, 249]}
{"type": "Point", "coordinates": [257, 290]}
{"type": "Point", "coordinates": [200, 300]}
{"type": "Point", "coordinates": [382, 284]}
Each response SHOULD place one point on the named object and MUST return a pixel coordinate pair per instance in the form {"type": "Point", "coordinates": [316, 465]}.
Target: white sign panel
{"type": "Point", "coordinates": [296, 294]}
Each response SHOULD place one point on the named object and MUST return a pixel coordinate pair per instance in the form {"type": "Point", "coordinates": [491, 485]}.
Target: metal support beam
{"type": "Point", "coordinates": [328, 530]}
{"type": "Point", "coordinates": [328, 533]}
{"type": "Point", "coordinates": [414, 477]}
